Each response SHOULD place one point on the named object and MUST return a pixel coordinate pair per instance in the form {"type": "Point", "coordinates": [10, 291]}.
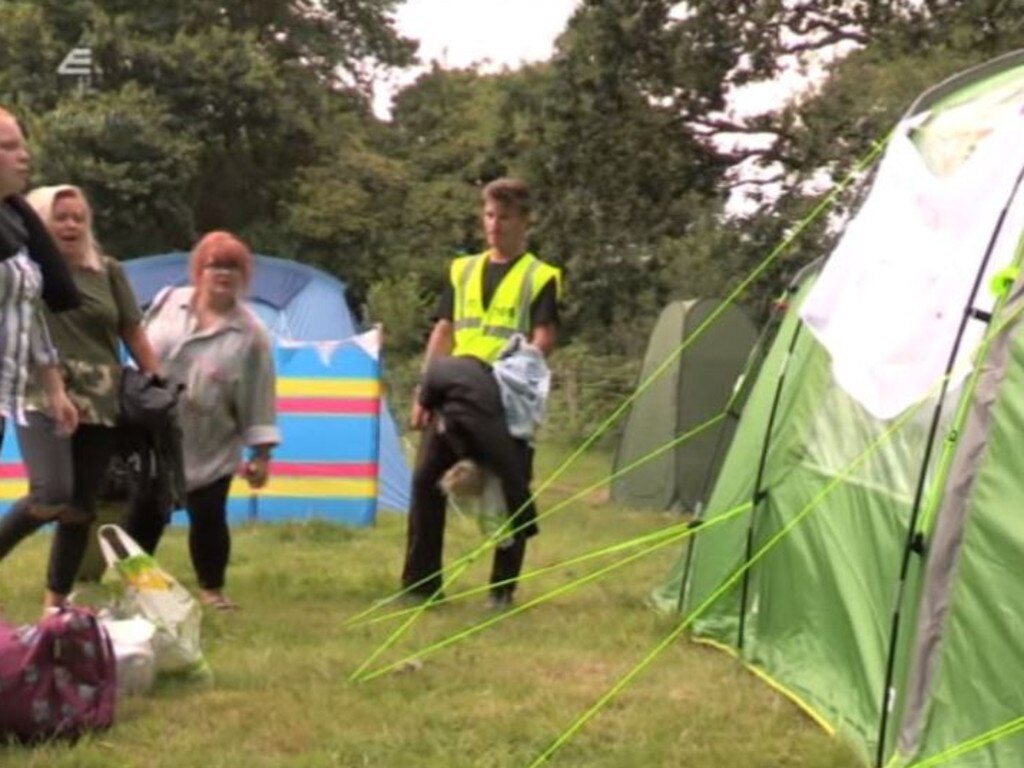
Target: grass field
{"type": "Point", "coordinates": [282, 694]}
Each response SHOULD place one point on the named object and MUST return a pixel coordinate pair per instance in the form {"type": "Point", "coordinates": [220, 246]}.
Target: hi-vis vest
{"type": "Point", "coordinates": [482, 334]}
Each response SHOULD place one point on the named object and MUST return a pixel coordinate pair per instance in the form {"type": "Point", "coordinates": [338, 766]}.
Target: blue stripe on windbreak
{"type": "Point", "coordinates": [354, 512]}
{"type": "Point", "coordinates": [348, 362]}
{"type": "Point", "coordinates": [318, 438]}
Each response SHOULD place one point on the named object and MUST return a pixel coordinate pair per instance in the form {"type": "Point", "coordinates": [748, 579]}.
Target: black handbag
{"type": "Point", "coordinates": [152, 437]}
{"type": "Point", "coordinates": [146, 400]}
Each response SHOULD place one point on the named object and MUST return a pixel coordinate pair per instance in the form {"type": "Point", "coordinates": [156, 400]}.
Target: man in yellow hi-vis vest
{"type": "Point", "coordinates": [488, 298]}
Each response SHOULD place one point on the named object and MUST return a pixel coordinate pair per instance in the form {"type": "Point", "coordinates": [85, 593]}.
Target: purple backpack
{"type": "Point", "coordinates": [57, 678]}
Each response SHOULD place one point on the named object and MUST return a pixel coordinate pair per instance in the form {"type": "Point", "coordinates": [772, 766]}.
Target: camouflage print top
{"type": "Point", "coordinates": [87, 340]}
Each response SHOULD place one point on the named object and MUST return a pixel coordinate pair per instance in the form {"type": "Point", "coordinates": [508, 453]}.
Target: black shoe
{"type": "Point", "coordinates": [500, 601]}
{"type": "Point", "coordinates": [416, 597]}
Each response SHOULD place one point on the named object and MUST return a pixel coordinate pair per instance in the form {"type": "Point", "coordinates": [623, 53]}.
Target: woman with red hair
{"type": "Point", "coordinates": [210, 342]}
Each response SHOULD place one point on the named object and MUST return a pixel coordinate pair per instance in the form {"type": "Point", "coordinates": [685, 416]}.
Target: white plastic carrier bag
{"type": "Point", "coordinates": [153, 594]}
{"type": "Point", "coordinates": [133, 649]}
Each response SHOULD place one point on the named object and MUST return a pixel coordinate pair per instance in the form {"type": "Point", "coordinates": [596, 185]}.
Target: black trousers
{"type": "Point", "coordinates": [464, 393]}
{"type": "Point", "coordinates": [63, 471]}
{"type": "Point", "coordinates": [209, 537]}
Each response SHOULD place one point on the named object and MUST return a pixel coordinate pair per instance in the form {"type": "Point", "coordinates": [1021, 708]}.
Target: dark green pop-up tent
{"type": "Point", "coordinates": [875, 571]}
{"type": "Point", "coordinates": [695, 388]}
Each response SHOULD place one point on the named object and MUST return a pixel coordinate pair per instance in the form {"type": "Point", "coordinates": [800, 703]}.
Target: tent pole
{"type": "Point", "coordinates": [733, 412]}
{"type": "Point", "coordinates": [691, 542]}
{"type": "Point", "coordinates": [783, 304]}
{"type": "Point", "coordinates": [733, 416]}
{"type": "Point", "coordinates": [914, 543]}
{"type": "Point", "coordinates": [734, 408]}
{"type": "Point", "coordinates": [758, 495]}
{"type": "Point", "coordinates": [798, 279]}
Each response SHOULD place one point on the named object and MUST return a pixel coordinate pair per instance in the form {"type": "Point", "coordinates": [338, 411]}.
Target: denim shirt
{"type": "Point", "coordinates": [228, 372]}
{"type": "Point", "coordinates": [524, 381]}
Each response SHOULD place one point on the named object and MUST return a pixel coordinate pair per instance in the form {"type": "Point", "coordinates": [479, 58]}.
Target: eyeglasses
{"type": "Point", "coordinates": [223, 266]}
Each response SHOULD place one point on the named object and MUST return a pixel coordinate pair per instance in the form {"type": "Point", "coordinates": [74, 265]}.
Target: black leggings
{"type": "Point", "coordinates": [209, 538]}
{"type": "Point", "coordinates": [63, 472]}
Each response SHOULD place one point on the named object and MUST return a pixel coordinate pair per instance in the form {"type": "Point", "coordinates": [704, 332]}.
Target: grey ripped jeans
{"type": "Point", "coordinates": [63, 472]}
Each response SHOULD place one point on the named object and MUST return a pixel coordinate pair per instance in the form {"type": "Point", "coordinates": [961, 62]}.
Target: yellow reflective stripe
{"type": "Point", "coordinates": [498, 332]}
{"type": "Point", "coordinates": [469, 322]}
{"type": "Point", "coordinates": [296, 387]}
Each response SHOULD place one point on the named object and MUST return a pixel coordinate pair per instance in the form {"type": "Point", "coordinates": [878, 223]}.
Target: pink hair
{"type": "Point", "coordinates": [219, 245]}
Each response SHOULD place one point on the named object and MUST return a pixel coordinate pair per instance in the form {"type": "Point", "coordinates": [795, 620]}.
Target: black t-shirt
{"type": "Point", "coordinates": [543, 311]}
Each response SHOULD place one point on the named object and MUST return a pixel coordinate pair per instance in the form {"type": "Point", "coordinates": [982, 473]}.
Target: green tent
{"type": "Point", "coordinates": [884, 517]}
{"type": "Point", "coordinates": [695, 388]}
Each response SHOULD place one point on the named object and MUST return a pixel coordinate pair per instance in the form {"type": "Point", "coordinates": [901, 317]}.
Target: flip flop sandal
{"type": "Point", "coordinates": [221, 603]}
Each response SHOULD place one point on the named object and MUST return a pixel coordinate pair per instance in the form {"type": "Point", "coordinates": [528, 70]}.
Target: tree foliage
{"type": "Point", "coordinates": [125, 147]}
{"type": "Point", "coordinates": [230, 103]}
{"type": "Point", "coordinates": [254, 115]}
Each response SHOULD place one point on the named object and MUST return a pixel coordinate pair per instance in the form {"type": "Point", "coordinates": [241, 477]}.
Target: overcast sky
{"type": "Point", "coordinates": [499, 33]}
{"type": "Point", "coordinates": [459, 33]}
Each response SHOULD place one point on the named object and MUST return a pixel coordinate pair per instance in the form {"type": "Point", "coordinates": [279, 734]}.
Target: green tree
{"type": "Point", "coordinates": [247, 92]}
{"type": "Point", "coordinates": [615, 171]}
{"type": "Point", "coordinates": [124, 148]}
{"type": "Point", "coordinates": [446, 128]}
{"type": "Point", "coordinates": [346, 209]}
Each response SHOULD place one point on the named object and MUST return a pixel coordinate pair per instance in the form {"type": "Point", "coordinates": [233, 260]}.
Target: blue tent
{"type": "Point", "coordinates": [299, 303]}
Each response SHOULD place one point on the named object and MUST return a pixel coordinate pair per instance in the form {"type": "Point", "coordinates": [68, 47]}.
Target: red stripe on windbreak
{"type": "Point", "coordinates": [323, 469]}
{"type": "Point", "coordinates": [12, 471]}
{"type": "Point", "coordinates": [355, 469]}
{"type": "Point", "coordinates": [329, 405]}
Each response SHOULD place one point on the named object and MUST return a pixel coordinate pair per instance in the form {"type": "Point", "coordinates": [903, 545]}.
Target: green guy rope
{"type": "Point", "coordinates": [662, 533]}
{"type": "Point", "coordinates": [358, 619]}
{"type": "Point", "coordinates": [479, 627]}
{"type": "Point", "coordinates": [723, 588]}
{"type": "Point", "coordinates": [996, 734]}
{"type": "Point", "coordinates": [876, 149]}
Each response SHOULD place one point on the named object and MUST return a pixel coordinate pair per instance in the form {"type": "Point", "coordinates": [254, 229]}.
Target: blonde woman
{"type": "Point", "coordinates": [65, 471]}
{"type": "Point", "coordinates": [209, 341]}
